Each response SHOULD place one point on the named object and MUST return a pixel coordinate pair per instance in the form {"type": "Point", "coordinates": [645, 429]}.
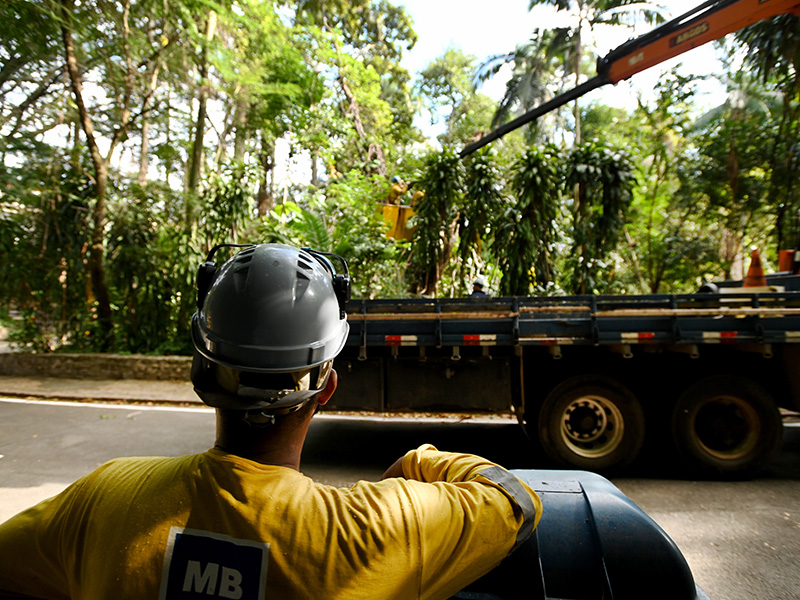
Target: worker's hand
{"type": "Point", "coordinates": [396, 470]}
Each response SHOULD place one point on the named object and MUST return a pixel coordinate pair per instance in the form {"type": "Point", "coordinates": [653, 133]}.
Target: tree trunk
{"type": "Point", "coordinates": [195, 165]}
{"type": "Point", "coordinates": [315, 167]}
{"type": "Point", "coordinates": [100, 163]}
{"type": "Point", "coordinates": [144, 163]}
{"type": "Point", "coordinates": [578, 52]}
{"type": "Point", "coordinates": [240, 118]}
{"type": "Point", "coordinates": [265, 198]}
{"type": "Point", "coordinates": [373, 151]}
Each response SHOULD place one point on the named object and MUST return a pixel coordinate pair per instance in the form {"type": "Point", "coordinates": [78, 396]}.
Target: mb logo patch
{"type": "Point", "coordinates": [201, 564]}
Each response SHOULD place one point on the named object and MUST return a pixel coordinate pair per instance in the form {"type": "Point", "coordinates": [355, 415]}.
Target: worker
{"type": "Point", "coordinates": [397, 190]}
{"type": "Point", "coordinates": [477, 288]}
{"type": "Point", "coordinates": [240, 520]}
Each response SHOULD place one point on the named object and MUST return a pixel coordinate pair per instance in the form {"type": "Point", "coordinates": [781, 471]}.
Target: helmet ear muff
{"type": "Point", "coordinates": [208, 270]}
{"type": "Point", "coordinates": [341, 287]}
{"type": "Point", "coordinates": [341, 281]}
{"type": "Point", "coordinates": [205, 277]}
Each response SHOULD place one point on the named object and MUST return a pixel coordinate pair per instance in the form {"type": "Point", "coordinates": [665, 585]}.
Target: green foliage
{"type": "Point", "coordinates": [534, 68]}
{"type": "Point", "coordinates": [227, 203]}
{"type": "Point", "coordinates": [437, 212]}
{"type": "Point", "coordinates": [344, 218]}
{"type": "Point", "coordinates": [773, 49]}
{"type": "Point", "coordinates": [265, 72]}
{"type": "Point", "coordinates": [151, 271]}
{"type": "Point", "coordinates": [43, 243]}
{"type": "Point", "coordinates": [666, 247]}
{"type": "Point", "coordinates": [377, 29]}
{"type": "Point", "coordinates": [445, 89]}
{"type": "Point", "coordinates": [483, 204]}
{"type": "Point", "coordinates": [528, 229]}
{"type": "Point", "coordinates": [602, 182]}
{"type": "Point", "coordinates": [681, 205]}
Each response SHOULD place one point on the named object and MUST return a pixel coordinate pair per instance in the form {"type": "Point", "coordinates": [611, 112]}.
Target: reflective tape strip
{"type": "Point", "coordinates": [546, 341]}
{"type": "Point", "coordinates": [483, 339]}
{"type": "Point", "coordinates": [401, 340]}
{"type": "Point", "coordinates": [637, 337]}
{"type": "Point", "coordinates": [519, 494]}
{"type": "Point", "coordinates": [792, 335]}
{"type": "Point", "coordinates": [720, 337]}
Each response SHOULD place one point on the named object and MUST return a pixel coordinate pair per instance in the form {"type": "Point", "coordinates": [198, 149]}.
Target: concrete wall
{"type": "Point", "coordinates": [96, 366]}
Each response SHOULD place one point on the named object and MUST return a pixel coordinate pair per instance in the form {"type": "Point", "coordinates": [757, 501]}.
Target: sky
{"type": "Point", "coordinates": [473, 27]}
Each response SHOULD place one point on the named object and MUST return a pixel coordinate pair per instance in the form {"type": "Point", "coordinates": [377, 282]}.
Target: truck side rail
{"type": "Point", "coordinates": [680, 320]}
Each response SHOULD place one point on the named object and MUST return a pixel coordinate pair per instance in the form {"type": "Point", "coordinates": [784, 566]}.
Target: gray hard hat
{"type": "Point", "coordinates": [272, 313]}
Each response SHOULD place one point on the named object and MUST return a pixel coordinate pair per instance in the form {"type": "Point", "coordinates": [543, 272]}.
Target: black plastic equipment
{"type": "Point", "coordinates": [592, 542]}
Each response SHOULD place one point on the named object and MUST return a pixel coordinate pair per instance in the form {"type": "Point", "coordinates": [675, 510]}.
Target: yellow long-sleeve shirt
{"type": "Point", "coordinates": [215, 525]}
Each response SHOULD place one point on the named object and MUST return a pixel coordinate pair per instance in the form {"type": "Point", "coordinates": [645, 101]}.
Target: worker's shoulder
{"type": "Point", "coordinates": [124, 466]}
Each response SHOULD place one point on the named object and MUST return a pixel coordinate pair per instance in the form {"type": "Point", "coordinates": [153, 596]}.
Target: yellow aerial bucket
{"type": "Point", "coordinates": [397, 217]}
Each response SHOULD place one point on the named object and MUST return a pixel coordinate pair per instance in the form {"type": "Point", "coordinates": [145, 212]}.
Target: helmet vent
{"type": "Point", "coordinates": [245, 256]}
{"type": "Point", "coordinates": [303, 263]}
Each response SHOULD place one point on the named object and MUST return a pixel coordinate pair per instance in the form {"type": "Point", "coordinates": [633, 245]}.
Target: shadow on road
{"type": "Point", "coordinates": [361, 448]}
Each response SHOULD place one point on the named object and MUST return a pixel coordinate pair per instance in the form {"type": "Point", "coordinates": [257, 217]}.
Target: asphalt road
{"type": "Point", "coordinates": [741, 539]}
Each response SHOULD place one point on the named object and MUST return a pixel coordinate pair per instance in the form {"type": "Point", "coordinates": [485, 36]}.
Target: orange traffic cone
{"type": "Point", "coordinates": [755, 274]}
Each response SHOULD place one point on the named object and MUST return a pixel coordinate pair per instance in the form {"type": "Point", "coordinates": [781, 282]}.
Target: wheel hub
{"type": "Point", "coordinates": [585, 420]}
{"type": "Point", "coordinates": [727, 427]}
{"type": "Point", "coordinates": [592, 426]}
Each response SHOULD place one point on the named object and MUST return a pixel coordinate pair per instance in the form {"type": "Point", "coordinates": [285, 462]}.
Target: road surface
{"type": "Point", "coordinates": [741, 539]}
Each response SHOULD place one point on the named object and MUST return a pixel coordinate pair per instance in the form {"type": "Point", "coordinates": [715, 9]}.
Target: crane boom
{"type": "Point", "coordinates": [707, 22]}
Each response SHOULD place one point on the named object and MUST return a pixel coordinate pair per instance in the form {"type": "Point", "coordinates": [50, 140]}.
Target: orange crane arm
{"type": "Point", "coordinates": [707, 22]}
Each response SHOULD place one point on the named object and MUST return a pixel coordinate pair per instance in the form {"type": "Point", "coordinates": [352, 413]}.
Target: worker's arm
{"type": "Point", "coordinates": [471, 514]}
{"type": "Point", "coordinates": [428, 464]}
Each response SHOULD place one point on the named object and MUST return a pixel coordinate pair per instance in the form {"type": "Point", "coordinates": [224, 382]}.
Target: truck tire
{"type": "Point", "coordinates": [593, 423]}
{"type": "Point", "coordinates": [727, 425]}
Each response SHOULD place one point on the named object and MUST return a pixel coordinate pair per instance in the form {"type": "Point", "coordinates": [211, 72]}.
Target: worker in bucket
{"type": "Point", "coordinates": [397, 190]}
{"type": "Point", "coordinates": [240, 520]}
{"type": "Point", "coordinates": [478, 286]}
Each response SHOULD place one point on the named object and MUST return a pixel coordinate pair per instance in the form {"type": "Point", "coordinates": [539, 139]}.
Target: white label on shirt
{"type": "Point", "coordinates": [201, 564]}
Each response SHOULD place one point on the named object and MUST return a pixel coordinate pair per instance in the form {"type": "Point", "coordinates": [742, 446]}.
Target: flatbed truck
{"type": "Point", "coordinates": [591, 377]}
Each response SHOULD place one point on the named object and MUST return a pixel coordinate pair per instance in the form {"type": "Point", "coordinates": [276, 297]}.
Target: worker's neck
{"type": "Point", "coordinates": [280, 444]}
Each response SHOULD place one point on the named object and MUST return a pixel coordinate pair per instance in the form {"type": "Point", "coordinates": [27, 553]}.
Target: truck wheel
{"type": "Point", "coordinates": [592, 423]}
{"type": "Point", "coordinates": [727, 425]}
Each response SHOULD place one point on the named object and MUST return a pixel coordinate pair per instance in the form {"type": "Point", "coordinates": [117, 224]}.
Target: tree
{"type": "Point", "coordinates": [267, 85]}
{"type": "Point", "coordinates": [734, 144]}
{"type": "Point", "coordinates": [43, 236]}
{"type": "Point", "coordinates": [445, 86]}
{"type": "Point", "coordinates": [666, 246]}
{"type": "Point", "coordinates": [773, 51]}
{"type": "Point", "coordinates": [367, 39]}
{"type": "Point", "coordinates": [196, 157]}
{"type": "Point", "coordinates": [569, 43]}
{"type": "Point", "coordinates": [436, 218]}
{"type": "Point", "coordinates": [603, 181]}
{"type": "Point", "coordinates": [31, 58]}
{"type": "Point", "coordinates": [445, 82]}
{"type": "Point", "coordinates": [535, 66]}
{"type": "Point", "coordinates": [483, 206]}
{"type": "Point", "coordinates": [528, 228]}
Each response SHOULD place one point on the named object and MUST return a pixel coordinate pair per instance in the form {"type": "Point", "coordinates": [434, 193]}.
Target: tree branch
{"type": "Point", "coordinates": [77, 86]}
{"type": "Point", "coordinates": [44, 87]}
{"type": "Point", "coordinates": [10, 67]}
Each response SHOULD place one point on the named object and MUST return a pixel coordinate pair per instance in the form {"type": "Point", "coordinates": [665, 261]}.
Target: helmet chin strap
{"type": "Point", "coordinates": [262, 418]}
